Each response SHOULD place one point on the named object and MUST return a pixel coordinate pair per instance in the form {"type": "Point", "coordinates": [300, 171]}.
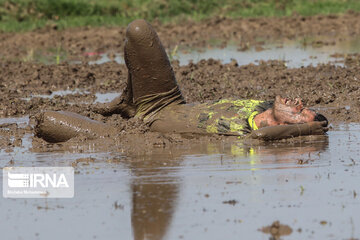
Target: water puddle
{"type": "Point", "coordinates": [212, 191]}
{"type": "Point", "coordinates": [295, 54]}
{"type": "Point", "coordinates": [106, 97]}
{"type": "Point", "coordinates": [99, 97]}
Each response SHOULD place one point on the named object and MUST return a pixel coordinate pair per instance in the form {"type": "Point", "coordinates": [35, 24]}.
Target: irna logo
{"type": "Point", "coordinates": [38, 182]}
{"type": "Point", "coordinates": [34, 180]}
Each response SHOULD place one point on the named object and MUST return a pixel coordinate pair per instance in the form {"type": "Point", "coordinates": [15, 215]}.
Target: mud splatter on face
{"type": "Point", "coordinates": [288, 111]}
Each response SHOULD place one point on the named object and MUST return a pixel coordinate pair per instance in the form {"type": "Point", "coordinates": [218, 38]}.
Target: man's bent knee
{"type": "Point", "coordinates": [139, 30]}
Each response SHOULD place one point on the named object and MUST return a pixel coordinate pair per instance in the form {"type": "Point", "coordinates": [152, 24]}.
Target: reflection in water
{"type": "Point", "coordinates": [282, 153]}
{"type": "Point", "coordinates": [154, 197]}
{"type": "Point", "coordinates": [156, 182]}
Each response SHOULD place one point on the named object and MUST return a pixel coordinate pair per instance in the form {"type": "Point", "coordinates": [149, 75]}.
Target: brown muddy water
{"type": "Point", "coordinates": [206, 191]}
{"type": "Point", "coordinates": [215, 190]}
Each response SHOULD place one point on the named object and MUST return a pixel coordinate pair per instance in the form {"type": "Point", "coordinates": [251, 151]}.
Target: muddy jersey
{"type": "Point", "coordinates": [227, 117]}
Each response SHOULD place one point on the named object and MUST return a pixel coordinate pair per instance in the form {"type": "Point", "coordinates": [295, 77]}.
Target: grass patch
{"type": "Point", "coordinates": [22, 15]}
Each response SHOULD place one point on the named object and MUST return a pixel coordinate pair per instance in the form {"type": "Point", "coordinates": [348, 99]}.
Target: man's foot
{"type": "Point", "coordinates": [119, 105]}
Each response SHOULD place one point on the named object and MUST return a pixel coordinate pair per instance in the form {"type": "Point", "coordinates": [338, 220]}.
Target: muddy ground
{"type": "Point", "coordinates": [332, 90]}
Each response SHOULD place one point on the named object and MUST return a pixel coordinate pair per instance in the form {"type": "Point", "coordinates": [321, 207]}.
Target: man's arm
{"type": "Point", "coordinates": [288, 131]}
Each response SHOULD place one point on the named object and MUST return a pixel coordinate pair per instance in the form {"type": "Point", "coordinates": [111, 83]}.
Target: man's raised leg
{"type": "Point", "coordinates": [151, 81]}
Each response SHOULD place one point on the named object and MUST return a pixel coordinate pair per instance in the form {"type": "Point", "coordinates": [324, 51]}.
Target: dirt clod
{"type": "Point", "coordinates": [277, 230]}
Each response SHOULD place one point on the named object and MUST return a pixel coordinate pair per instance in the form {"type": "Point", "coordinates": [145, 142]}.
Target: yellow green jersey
{"type": "Point", "coordinates": [226, 117]}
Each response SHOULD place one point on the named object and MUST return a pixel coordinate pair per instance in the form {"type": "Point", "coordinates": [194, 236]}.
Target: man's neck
{"type": "Point", "coordinates": [266, 119]}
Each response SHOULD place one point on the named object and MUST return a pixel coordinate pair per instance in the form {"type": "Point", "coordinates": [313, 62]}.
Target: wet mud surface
{"type": "Point", "coordinates": [144, 185]}
{"type": "Point", "coordinates": [28, 89]}
{"type": "Point", "coordinates": [212, 189]}
{"type": "Point", "coordinates": [330, 89]}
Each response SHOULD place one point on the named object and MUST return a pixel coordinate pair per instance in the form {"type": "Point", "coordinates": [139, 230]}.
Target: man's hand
{"type": "Point", "coordinates": [317, 128]}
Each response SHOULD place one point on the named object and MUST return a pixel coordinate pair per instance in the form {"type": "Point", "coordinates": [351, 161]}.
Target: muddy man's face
{"type": "Point", "coordinates": [288, 111]}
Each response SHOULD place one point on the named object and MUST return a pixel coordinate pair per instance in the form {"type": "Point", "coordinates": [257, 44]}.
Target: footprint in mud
{"type": "Point", "coordinates": [276, 230]}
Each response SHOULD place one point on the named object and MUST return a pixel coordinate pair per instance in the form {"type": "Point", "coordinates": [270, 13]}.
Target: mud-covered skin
{"type": "Point", "coordinates": [61, 126]}
{"type": "Point", "coordinates": [288, 111]}
{"type": "Point", "coordinates": [224, 117]}
{"type": "Point", "coordinates": [285, 111]}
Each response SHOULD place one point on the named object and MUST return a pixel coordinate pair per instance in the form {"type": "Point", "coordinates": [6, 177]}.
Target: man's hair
{"type": "Point", "coordinates": [321, 118]}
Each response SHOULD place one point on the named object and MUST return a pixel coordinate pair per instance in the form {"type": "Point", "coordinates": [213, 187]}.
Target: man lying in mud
{"type": "Point", "coordinates": [153, 95]}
